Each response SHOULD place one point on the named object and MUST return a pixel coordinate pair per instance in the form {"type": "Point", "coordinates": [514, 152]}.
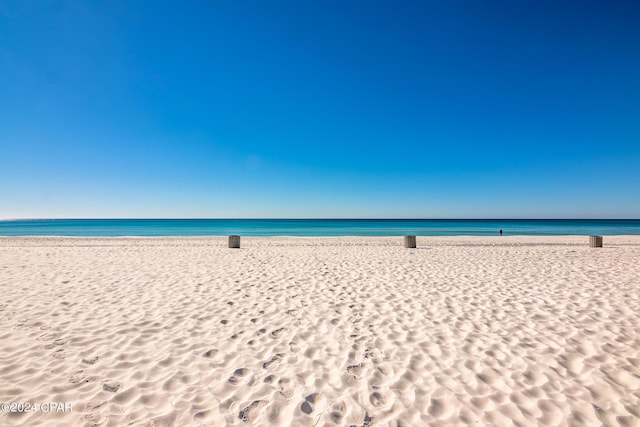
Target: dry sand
{"type": "Point", "coordinates": [321, 331]}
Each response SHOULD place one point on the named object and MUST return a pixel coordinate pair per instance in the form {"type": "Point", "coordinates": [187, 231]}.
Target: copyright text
{"type": "Point", "coordinates": [46, 407]}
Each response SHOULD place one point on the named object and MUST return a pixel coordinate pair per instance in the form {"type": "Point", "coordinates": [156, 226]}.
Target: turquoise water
{"type": "Point", "coordinates": [317, 227]}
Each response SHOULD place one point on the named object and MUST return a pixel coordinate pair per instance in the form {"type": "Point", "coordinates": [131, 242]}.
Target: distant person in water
{"type": "Point", "coordinates": [501, 231]}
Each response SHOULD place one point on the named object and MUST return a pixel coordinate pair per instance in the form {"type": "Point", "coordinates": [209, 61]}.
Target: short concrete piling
{"type": "Point", "coordinates": [595, 241]}
{"type": "Point", "coordinates": [234, 242]}
{"type": "Point", "coordinates": [409, 241]}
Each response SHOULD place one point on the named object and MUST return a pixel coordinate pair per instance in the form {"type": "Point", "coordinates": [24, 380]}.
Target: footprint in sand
{"type": "Point", "coordinates": [261, 331]}
{"type": "Point", "coordinates": [250, 412]}
{"type": "Point", "coordinates": [311, 402]}
{"type": "Point", "coordinates": [377, 399]}
{"type": "Point", "coordinates": [273, 360]}
{"type": "Point", "coordinates": [94, 418]}
{"type": "Point", "coordinates": [277, 332]}
{"type": "Point", "coordinates": [238, 374]}
{"type": "Point", "coordinates": [59, 354]}
{"type": "Point", "coordinates": [210, 353]}
{"type": "Point", "coordinates": [367, 421]}
{"type": "Point", "coordinates": [356, 370]}
{"type": "Point", "coordinates": [79, 378]}
{"type": "Point", "coordinates": [286, 390]}
{"type": "Point", "coordinates": [338, 411]}
{"type": "Point", "coordinates": [90, 360]}
{"type": "Point", "coordinates": [112, 387]}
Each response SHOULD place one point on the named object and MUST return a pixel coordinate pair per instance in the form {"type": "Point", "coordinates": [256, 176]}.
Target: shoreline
{"type": "Point", "coordinates": [387, 241]}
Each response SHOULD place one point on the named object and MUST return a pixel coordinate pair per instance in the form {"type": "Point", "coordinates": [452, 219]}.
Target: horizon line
{"type": "Point", "coordinates": [327, 218]}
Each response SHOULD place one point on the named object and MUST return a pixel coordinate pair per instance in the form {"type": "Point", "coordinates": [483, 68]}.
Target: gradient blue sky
{"type": "Point", "coordinates": [427, 109]}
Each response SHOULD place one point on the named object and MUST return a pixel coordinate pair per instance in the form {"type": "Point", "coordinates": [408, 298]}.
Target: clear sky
{"type": "Point", "coordinates": [426, 109]}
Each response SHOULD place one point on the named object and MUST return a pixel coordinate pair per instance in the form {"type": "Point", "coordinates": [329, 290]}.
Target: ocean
{"type": "Point", "coordinates": [318, 227]}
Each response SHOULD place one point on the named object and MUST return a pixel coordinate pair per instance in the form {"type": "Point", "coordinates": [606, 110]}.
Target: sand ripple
{"type": "Point", "coordinates": [321, 331]}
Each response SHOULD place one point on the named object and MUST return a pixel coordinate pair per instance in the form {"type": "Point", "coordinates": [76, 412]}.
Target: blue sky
{"type": "Point", "coordinates": [429, 109]}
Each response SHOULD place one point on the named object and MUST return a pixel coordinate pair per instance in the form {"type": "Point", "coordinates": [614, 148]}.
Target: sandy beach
{"type": "Point", "coordinates": [319, 331]}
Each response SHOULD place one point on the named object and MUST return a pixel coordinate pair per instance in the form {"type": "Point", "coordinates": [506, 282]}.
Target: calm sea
{"type": "Point", "coordinates": [317, 227]}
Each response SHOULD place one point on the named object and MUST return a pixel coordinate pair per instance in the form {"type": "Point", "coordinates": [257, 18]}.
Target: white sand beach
{"type": "Point", "coordinates": [320, 331]}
